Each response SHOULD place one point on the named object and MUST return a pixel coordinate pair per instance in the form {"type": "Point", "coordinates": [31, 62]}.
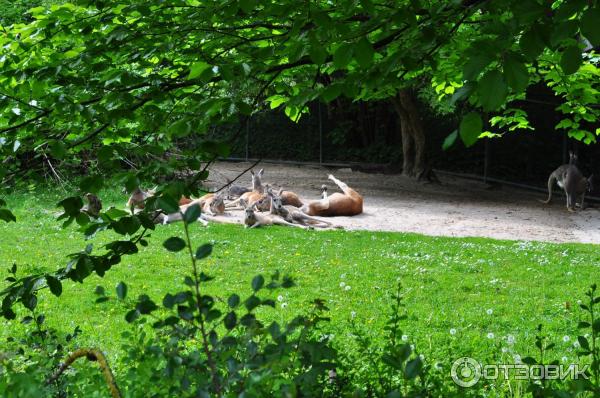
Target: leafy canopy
{"type": "Point", "coordinates": [136, 77]}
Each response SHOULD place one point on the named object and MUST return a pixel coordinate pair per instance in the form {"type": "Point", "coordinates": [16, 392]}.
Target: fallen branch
{"type": "Point", "coordinates": [91, 355]}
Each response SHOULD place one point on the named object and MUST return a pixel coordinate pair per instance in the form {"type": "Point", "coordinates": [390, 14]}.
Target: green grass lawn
{"type": "Point", "coordinates": [478, 287]}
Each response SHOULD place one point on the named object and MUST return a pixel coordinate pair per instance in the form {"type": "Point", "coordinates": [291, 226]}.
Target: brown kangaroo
{"type": "Point", "coordinates": [348, 203]}
{"type": "Point", "coordinates": [249, 198]}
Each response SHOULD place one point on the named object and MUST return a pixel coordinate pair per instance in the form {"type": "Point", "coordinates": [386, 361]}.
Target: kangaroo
{"type": "Point", "coordinates": [568, 177]}
{"type": "Point", "coordinates": [210, 204]}
{"type": "Point", "coordinates": [254, 219]}
{"type": "Point", "coordinates": [293, 214]}
{"type": "Point", "coordinates": [235, 191]}
{"type": "Point", "coordinates": [349, 203]}
{"type": "Point", "coordinates": [94, 205]}
{"type": "Point", "coordinates": [138, 197]}
{"type": "Point", "coordinates": [248, 198]}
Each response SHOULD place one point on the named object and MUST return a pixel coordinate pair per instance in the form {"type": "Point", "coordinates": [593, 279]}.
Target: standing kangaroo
{"type": "Point", "coordinates": [568, 177]}
{"type": "Point", "coordinates": [348, 203]}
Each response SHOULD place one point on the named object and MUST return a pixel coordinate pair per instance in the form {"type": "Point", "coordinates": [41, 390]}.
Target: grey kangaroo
{"type": "Point", "coordinates": [568, 177]}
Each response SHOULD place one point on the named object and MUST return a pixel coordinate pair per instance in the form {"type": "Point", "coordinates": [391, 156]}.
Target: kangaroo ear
{"type": "Point", "coordinates": [252, 172]}
{"type": "Point", "coordinates": [260, 172]}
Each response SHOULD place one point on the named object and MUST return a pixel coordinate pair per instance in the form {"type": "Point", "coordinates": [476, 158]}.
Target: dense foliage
{"type": "Point", "coordinates": [129, 78]}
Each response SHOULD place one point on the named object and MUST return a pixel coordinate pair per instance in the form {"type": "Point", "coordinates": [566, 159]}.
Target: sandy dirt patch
{"type": "Point", "coordinates": [456, 207]}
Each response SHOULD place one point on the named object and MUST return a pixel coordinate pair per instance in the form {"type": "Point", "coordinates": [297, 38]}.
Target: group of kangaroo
{"type": "Point", "coordinates": [569, 178]}
{"type": "Point", "coordinates": [263, 206]}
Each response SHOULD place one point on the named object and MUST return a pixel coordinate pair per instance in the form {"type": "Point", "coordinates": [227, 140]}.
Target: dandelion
{"type": "Point", "coordinates": [280, 298]}
{"type": "Point", "coordinates": [452, 331]}
{"type": "Point", "coordinates": [422, 357]}
{"type": "Point", "coordinates": [404, 337]}
{"type": "Point", "coordinates": [347, 288]}
{"type": "Point", "coordinates": [342, 284]}
{"type": "Point", "coordinates": [283, 305]}
{"type": "Point", "coordinates": [576, 344]}
{"type": "Point", "coordinates": [490, 311]}
{"type": "Point", "coordinates": [490, 335]}
{"type": "Point", "coordinates": [566, 339]}
{"type": "Point", "coordinates": [510, 339]}
{"type": "Point", "coordinates": [517, 358]}
{"type": "Point", "coordinates": [564, 359]}
{"type": "Point", "coordinates": [353, 314]}
{"type": "Point", "coordinates": [343, 276]}
{"type": "Point", "coordinates": [504, 350]}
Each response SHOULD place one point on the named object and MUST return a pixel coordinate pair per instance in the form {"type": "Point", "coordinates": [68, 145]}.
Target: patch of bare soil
{"type": "Point", "coordinates": [456, 207]}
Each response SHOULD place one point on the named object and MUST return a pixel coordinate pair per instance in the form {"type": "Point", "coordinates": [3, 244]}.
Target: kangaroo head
{"type": "Point", "coordinates": [264, 203]}
{"type": "Point", "coordinates": [257, 181]}
{"type": "Point", "coordinates": [277, 202]}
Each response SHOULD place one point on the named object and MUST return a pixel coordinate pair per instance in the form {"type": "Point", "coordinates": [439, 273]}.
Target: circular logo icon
{"type": "Point", "coordinates": [466, 372]}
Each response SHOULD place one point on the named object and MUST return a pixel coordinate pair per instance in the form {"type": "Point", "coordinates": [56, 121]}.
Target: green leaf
{"type": "Point", "coordinates": [331, 92]}
{"type": "Point", "coordinates": [570, 61]}
{"type": "Point", "coordinates": [450, 140]}
{"type": "Point", "coordinates": [475, 65]}
{"type": "Point", "coordinates": [204, 251]}
{"type": "Point", "coordinates": [317, 52]}
{"type": "Point", "coordinates": [492, 90]}
{"type": "Point", "coordinates": [7, 215]}
{"type": "Point", "coordinates": [54, 285]}
{"type": "Point", "coordinates": [532, 44]}
{"type": "Point", "coordinates": [72, 205]}
{"type": "Point", "coordinates": [197, 69]}
{"type": "Point", "coordinates": [470, 128]}
{"type": "Point", "coordinates": [257, 282]}
{"type": "Point", "coordinates": [132, 316]}
{"type": "Point", "coordinates": [145, 305]}
{"type": "Point", "coordinates": [342, 56]}
{"type": "Point", "coordinates": [92, 184]}
{"type": "Point", "coordinates": [230, 320]}
{"type": "Point", "coordinates": [413, 368]}
{"type": "Point", "coordinates": [58, 149]}
{"type": "Point", "coordinates": [583, 342]}
{"type": "Point", "coordinates": [364, 53]}
{"type": "Point", "coordinates": [174, 244]}
{"type": "Point", "coordinates": [121, 290]}
{"type": "Point", "coordinates": [516, 74]}
{"type": "Point", "coordinates": [233, 300]}
{"type": "Point", "coordinates": [168, 204]}
{"type": "Point", "coordinates": [191, 214]}
{"type": "Point", "coordinates": [590, 25]}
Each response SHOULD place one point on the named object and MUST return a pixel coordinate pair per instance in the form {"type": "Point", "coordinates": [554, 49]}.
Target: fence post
{"type": "Point", "coordinates": [247, 134]}
{"type": "Point", "coordinates": [320, 136]}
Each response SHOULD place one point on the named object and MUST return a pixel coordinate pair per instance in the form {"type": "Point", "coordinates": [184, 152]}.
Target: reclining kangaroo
{"type": "Point", "coordinates": [568, 177]}
{"type": "Point", "coordinates": [254, 219]}
{"type": "Point", "coordinates": [348, 203]}
{"type": "Point", "coordinates": [249, 198]}
{"type": "Point", "coordinates": [210, 204]}
{"type": "Point", "coordinates": [293, 214]}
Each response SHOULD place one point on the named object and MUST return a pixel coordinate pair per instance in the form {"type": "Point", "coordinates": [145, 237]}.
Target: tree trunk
{"type": "Point", "coordinates": [413, 136]}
